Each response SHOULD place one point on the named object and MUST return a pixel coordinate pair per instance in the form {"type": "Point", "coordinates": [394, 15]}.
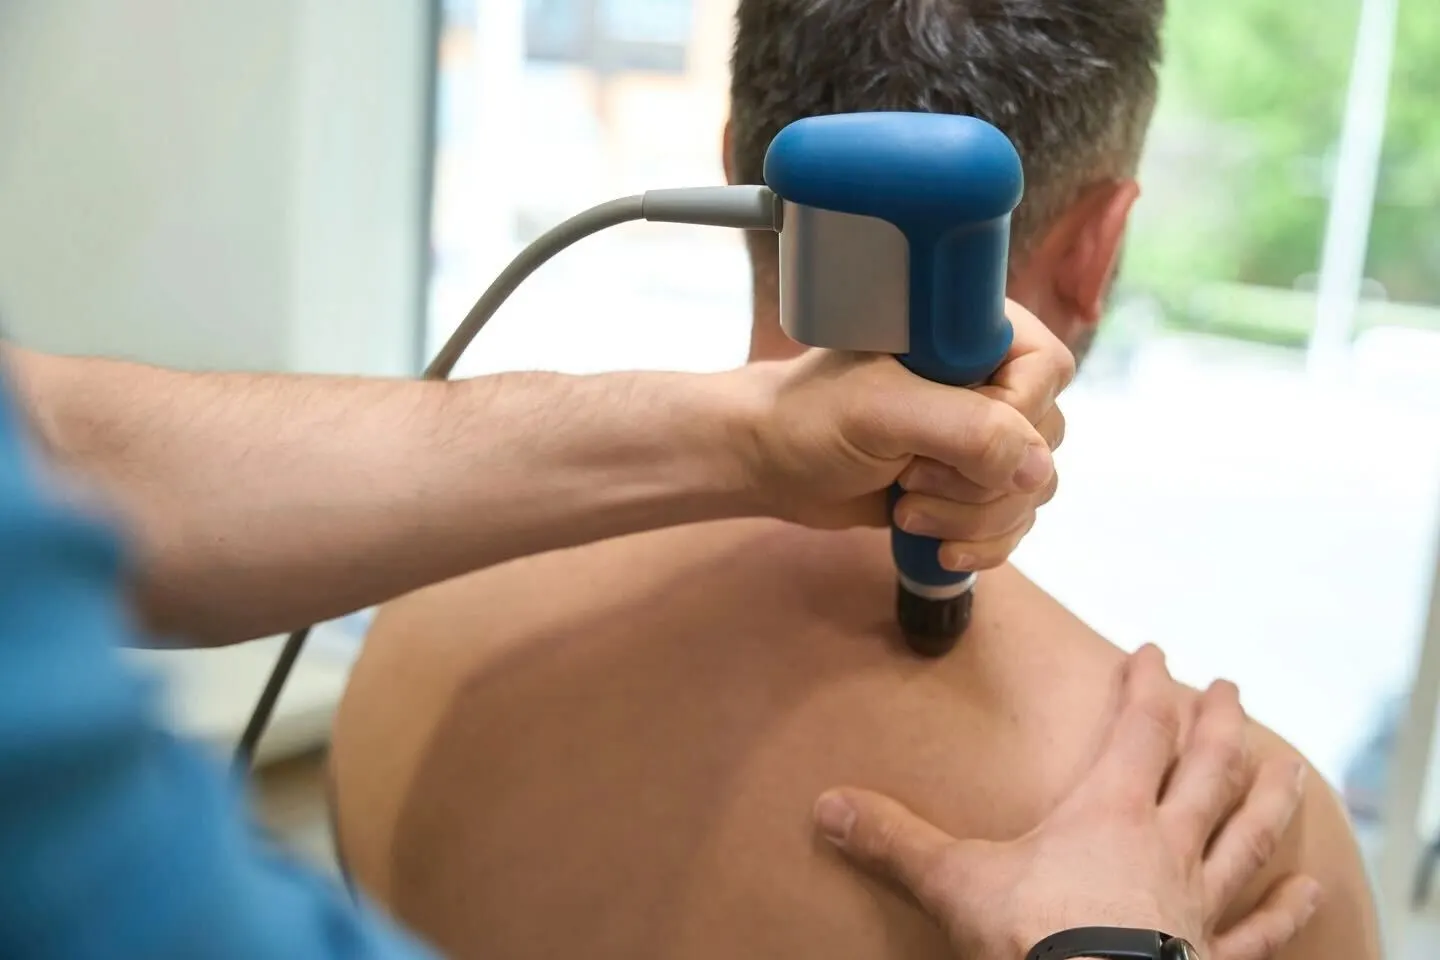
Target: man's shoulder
{"type": "Point", "coordinates": [1321, 842]}
{"type": "Point", "coordinates": [643, 566]}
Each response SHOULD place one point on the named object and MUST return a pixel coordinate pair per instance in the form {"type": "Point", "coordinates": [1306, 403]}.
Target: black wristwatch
{"type": "Point", "coordinates": [1112, 943]}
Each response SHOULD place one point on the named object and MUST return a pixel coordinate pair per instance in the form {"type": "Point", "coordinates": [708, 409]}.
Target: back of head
{"type": "Point", "coordinates": [1071, 82]}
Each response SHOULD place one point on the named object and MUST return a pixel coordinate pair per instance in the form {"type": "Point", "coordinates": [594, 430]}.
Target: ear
{"type": "Point", "coordinates": [1083, 247]}
{"type": "Point", "coordinates": [727, 155]}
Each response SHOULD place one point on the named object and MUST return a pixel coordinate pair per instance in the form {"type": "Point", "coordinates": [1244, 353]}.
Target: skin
{"type": "Point", "coordinates": [1160, 833]}
{"type": "Point", "coordinates": [727, 675]}
{"type": "Point", "coordinates": [261, 503]}
{"type": "Point", "coordinates": [615, 750]}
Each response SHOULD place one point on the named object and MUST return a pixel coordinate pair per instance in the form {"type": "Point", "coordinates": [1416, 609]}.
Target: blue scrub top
{"type": "Point", "coordinates": [117, 839]}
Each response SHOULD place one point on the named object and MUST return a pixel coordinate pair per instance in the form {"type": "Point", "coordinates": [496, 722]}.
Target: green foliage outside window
{"type": "Point", "coordinates": [1237, 183]}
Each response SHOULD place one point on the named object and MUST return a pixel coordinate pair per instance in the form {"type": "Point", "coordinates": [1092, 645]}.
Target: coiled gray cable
{"type": "Point", "coordinates": [742, 207]}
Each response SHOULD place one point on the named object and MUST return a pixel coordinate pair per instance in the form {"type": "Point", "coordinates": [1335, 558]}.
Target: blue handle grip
{"type": "Point", "coordinates": [949, 184]}
{"type": "Point", "coordinates": [958, 336]}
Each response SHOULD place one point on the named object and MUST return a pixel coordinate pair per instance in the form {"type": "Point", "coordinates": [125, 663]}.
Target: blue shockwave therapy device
{"type": "Point", "coordinates": [894, 231]}
{"type": "Point", "coordinates": [895, 240]}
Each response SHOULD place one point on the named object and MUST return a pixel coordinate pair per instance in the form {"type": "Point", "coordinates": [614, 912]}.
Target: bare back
{"type": "Point", "coordinates": [613, 751]}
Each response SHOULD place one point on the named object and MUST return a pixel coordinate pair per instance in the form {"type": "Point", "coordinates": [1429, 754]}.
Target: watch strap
{"type": "Point", "coordinates": [1100, 943]}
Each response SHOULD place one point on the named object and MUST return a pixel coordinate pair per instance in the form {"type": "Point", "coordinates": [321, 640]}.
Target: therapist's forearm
{"type": "Point", "coordinates": [261, 503]}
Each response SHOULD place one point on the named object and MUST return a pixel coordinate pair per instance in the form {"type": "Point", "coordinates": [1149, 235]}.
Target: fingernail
{"type": "Point", "coordinates": [1035, 468]}
{"type": "Point", "coordinates": [958, 563]}
{"type": "Point", "coordinates": [918, 523]}
{"type": "Point", "coordinates": [1300, 774]}
{"type": "Point", "coordinates": [835, 817]}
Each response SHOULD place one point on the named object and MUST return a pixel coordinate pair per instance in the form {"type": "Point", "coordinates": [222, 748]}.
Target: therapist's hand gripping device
{"type": "Point", "coordinates": [896, 240]}
{"type": "Point", "coordinates": [894, 234]}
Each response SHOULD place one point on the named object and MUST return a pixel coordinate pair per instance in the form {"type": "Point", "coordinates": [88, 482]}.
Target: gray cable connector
{"type": "Point", "coordinates": [740, 207]}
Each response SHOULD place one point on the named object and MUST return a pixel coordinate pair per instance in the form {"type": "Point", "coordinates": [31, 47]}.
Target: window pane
{"type": "Point", "coordinates": [1259, 522]}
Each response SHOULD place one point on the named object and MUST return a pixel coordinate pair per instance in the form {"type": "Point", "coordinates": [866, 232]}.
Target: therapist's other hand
{"type": "Point", "coordinates": [837, 430]}
{"type": "Point", "coordinates": [1154, 836]}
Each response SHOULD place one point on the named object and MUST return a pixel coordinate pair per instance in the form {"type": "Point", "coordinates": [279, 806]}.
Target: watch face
{"type": "Point", "coordinates": [1177, 949]}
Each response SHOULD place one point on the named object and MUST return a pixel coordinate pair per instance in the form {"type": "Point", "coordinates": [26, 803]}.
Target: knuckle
{"type": "Point", "coordinates": [968, 491]}
{"type": "Point", "coordinates": [973, 435]}
{"type": "Point", "coordinates": [1159, 710]}
{"type": "Point", "coordinates": [986, 557]}
{"type": "Point", "coordinates": [1023, 530]}
{"type": "Point", "coordinates": [1013, 542]}
{"type": "Point", "coordinates": [1269, 938]}
{"type": "Point", "coordinates": [1255, 943]}
{"type": "Point", "coordinates": [958, 523]}
{"type": "Point", "coordinates": [937, 879]}
{"type": "Point", "coordinates": [1048, 494]}
{"type": "Point", "coordinates": [1051, 429]}
{"type": "Point", "coordinates": [1065, 365]}
{"type": "Point", "coordinates": [995, 552]}
{"type": "Point", "coordinates": [991, 425]}
{"type": "Point", "coordinates": [1002, 516]}
{"type": "Point", "coordinates": [1227, 702]}
{"type": "Point", "coordinates": [944, 482]}
{"type": "Point", "coordinates": [1258, 847]}
{"type": "Point", "coordinates": [964, 533]}
{"type": "Point", "coordinates": [923, 476]}
{"type": "Point", "coordinates": [1233, 761]}
{"type": "Point", "coordinates": [1006, 435]}
{"type": "Point", "coordinates": [1154, 699]}
{"type": "Point", "coordinates": [987, 537]}
{"type": "Point", "coordinates": [883, 421]}
{"type": "Point", "coordinates": [884, 840]}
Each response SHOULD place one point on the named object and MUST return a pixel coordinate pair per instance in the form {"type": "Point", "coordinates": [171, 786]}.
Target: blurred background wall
{"type": "Point", "coordinates": [235, 184]}
{"type": "Point", "coordinates": [226, 183]}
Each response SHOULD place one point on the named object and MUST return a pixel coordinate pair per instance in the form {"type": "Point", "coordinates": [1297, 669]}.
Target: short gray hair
{"type": "Point", "coordinates": [1072, 83]}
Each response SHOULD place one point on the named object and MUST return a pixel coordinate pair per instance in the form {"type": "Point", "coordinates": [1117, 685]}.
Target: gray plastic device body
{"type": "Point", "coordinates": [844, 281]}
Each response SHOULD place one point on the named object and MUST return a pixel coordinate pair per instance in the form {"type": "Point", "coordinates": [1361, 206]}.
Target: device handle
{"type": "Point", "coordinates": [896, 239]}
{"type": "Point", "coordinates": [958, 336]}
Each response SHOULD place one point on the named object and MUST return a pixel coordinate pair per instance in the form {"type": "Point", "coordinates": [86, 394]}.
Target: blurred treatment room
{"type": "Point", "coordinates": [1250, 474]}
